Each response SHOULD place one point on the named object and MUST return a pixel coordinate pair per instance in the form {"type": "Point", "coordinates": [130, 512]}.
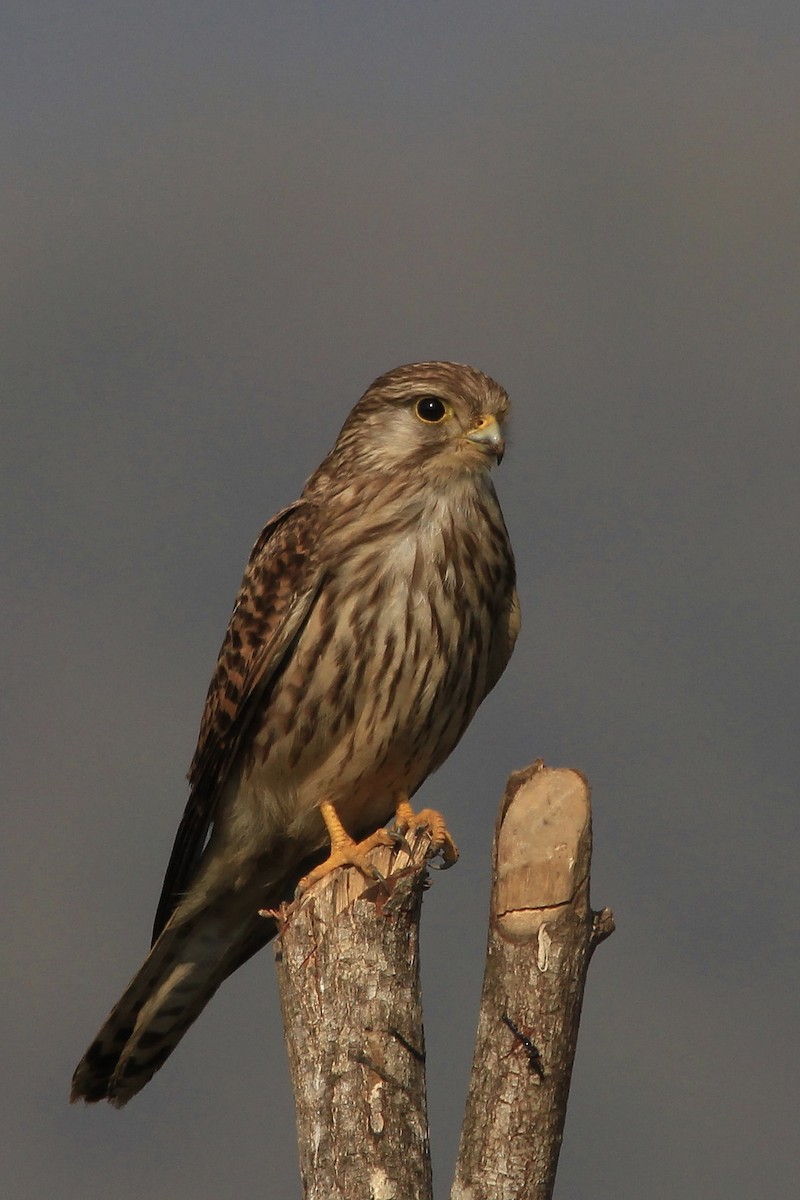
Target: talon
{"type": "Point", "coordinates": [428, 818]}
{"type": "Point", "coordinates": [399, 840]}
{"type": "Point", "coordinates": [345, 852]}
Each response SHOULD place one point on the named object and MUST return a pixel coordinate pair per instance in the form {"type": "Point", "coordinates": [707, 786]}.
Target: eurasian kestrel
{"type": "Point", "coordinates": [375, 614]}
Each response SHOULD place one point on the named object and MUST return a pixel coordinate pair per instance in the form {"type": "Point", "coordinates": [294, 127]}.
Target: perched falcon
{"type": "Point", "coordinates": [375, 614]}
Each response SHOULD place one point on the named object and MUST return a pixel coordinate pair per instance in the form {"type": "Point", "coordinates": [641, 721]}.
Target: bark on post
{"type": "Point", "coordinates": [542, 933]}
{"type": "Point", "coordinates": [348, 970]}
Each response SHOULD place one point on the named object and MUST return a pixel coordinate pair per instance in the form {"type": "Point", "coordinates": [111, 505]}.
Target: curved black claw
{"type": "Point", "coordinates": [379, 878]}
{"type": "Point", "coordinates": [448, 854]}
{"type": "Point", "coordinates": [444, 865]}
{"type": "Point", "coordinates": [400, 840]}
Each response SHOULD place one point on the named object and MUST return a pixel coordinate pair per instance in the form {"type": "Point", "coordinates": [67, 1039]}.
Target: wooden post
{"type": "Point", "coordinates": [542, 933]}
{"type": "Point", "coordinates": [348, 970]}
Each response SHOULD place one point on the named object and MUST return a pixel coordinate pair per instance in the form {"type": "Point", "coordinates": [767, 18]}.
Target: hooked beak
{"type": "Point", "coordinates": [487, 435]}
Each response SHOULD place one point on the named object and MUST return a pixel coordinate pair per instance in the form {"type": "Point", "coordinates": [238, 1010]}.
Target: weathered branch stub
{"type": "Point", "coordinates": [542, 933]}
{"type": "Point", "coordinates": [348, 970]}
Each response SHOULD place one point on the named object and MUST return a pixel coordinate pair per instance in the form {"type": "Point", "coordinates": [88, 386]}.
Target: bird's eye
{"type": "Point", "coordinates": [431, 409]}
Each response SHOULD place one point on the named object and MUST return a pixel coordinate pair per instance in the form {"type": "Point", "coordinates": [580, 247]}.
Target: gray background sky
{"type": "Point", "coordinates": [220, 223]}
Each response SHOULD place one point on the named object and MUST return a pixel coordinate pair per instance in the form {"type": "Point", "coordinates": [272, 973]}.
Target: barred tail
{"type": "Point", "coordinates": [172, 987]}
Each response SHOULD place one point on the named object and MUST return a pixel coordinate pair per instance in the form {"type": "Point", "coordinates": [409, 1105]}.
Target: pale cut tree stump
{"type": "Point", "coordinates": [542, 933]}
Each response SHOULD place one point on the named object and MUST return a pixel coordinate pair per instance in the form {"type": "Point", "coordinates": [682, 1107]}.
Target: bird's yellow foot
{"type": "Point", "coordinates": [428, 818]}
{"type": "Point", "coordinates": [344, 851]}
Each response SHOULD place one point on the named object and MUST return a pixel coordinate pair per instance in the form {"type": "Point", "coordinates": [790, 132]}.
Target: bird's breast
{"type": "Point", "coordinates": [390, 666]}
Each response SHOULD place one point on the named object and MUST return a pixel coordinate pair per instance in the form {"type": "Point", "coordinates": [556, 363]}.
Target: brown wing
{"type": "Point", "coordinates": [277, 594]}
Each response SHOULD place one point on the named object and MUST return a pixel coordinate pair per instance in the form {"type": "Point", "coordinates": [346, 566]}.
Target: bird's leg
{"type": "Point", "coordinates": [345, 851]}
{"type": "Point", "coordinates": [441, 841]}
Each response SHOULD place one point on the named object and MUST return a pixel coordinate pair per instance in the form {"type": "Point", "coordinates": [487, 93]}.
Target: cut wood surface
{"type": "Point", "coordinates": [542, 932]}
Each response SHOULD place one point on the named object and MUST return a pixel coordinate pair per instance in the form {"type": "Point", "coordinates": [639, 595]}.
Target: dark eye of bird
{"type": "Point", "coordinates": [431, 408]}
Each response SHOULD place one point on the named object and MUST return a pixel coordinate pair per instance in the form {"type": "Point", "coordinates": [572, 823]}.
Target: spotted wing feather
{"type": "Point", "coordinates": [277, 594]}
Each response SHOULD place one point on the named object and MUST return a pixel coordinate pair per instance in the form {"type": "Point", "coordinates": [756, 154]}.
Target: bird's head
{"type": "Point", "coordinates": [437, 418]}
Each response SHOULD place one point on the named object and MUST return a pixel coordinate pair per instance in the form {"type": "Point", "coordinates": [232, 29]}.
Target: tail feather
{"type": "Point", "coordinates": [177, 979]}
